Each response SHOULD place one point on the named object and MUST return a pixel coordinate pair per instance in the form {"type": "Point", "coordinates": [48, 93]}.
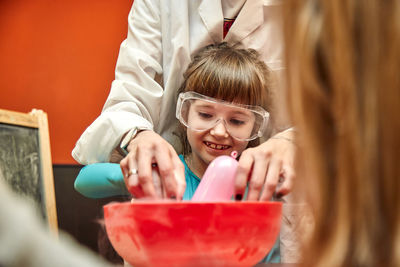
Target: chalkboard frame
{"type": "Point", "coordinates": [38, 119]}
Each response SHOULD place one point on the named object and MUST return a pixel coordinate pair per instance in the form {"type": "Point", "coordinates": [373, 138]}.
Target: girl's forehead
{"type": "Point", "coordinates": [225, 97]}
{"type": "Point", "coordinates": [217, 101]}
{"type": "Point", "coordinates": [222, 106]}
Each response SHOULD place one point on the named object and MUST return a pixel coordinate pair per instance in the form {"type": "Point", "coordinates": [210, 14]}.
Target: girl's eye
{"type": "Point", "coordinates": [237, 122]}
{"type": "Point", "coordinates": [205, 115]}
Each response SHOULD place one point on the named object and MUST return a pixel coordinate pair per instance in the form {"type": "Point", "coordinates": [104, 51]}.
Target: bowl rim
{"type": "Point", "coordinates": [191, 203]}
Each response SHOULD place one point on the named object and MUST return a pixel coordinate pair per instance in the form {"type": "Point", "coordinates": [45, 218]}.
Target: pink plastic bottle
{"type": "Point", "coordinates": [218, 181]}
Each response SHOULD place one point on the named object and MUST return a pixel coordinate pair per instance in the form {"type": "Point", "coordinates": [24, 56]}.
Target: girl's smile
{"type": "Point", "coordinates": [217, 146]}
{"type": "Point", "coordinates": [208, 145]}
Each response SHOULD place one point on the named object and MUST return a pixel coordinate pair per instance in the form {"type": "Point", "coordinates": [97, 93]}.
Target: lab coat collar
{"type": "Point", "coordinates": [250, 18]}
{"type": "Point", "coordinates": [211, 14]}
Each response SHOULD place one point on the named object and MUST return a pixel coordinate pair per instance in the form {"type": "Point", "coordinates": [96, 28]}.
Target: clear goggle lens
{"type": "Point", "coordinates": [202, 113]}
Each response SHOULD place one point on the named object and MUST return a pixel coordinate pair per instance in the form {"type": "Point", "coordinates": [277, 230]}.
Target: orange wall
{"type": "Point", "coordinates": [59, 56]}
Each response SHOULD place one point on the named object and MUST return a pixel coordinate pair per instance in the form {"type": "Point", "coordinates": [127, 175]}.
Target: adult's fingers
{"type": "Point", "coordinates": [145, 150]}
{"type": "Point", "coordinates": [144, 157]}
{"type": "Point", "coordinates": [288, 177]}
{"type": "Point", "coordinates": [128, 166]}
{"type": "Point", "coordinates": [166, 166]}
{"type": "Point", "coordinates": [271, 179]}
{"type": "Point", "coordinates": [160, 192]}
{"type": "Point", "coordinates": [257, 179]}
{"type": "Point", "coordinates": [243, 172]}
{"type": "Point", "coordinates": [179, 174]}
{"type": "Point", "coordinates": [124, 166]}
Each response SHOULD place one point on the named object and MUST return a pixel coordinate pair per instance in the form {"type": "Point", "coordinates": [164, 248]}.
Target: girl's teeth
{"type": "Point", "coordinates": [214, 146]}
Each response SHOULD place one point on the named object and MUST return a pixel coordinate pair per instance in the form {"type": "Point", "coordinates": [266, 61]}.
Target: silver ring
{"type": "Point", "coordinates": [132, 172]}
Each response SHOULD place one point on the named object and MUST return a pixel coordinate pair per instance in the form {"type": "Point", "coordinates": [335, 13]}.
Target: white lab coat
{"type": "Point", "coordinates": [162, 36]}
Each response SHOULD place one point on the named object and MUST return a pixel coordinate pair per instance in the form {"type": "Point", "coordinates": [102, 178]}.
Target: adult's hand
{"type": "Point", "coordinates": [269, 168]}
{"type": "Point", "coordinates": [147, 150]}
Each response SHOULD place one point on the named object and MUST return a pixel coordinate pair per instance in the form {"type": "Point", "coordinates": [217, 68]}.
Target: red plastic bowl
{"type": "Point", "coordinates": [193, 234]}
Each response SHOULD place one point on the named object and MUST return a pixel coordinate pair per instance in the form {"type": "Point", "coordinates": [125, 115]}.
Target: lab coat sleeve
{"type": "Point", "coordinates": [135, 97]}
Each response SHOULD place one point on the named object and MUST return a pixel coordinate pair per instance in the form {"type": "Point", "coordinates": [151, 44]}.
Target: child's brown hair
{"type": "Point", "coordinates": [230, 74]}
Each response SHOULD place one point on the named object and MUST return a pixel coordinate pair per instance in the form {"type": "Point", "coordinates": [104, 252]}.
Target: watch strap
{"type": "Point", "coordinates": [128, 137]}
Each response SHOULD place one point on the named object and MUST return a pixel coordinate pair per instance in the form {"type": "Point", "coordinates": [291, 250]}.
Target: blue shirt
{"type": "Point", "coordinates": [192, 181]}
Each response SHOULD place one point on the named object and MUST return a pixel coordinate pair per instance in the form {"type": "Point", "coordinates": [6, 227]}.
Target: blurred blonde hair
{"type": "Point", "coordinates": [343, 59]}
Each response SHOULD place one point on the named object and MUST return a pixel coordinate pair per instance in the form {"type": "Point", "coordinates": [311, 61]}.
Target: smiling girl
{"type": "Point", "coordinates": [223, 107]}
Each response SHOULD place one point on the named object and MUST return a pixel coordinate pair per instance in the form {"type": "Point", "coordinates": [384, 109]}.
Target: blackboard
{"type": "Point", "coordinates": [25, 159]}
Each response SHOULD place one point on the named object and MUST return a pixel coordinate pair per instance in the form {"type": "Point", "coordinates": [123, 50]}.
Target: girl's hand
{"type": "Point", "coordinates": [147, 150]}
{"type": "Point", "coordinates": [269, 168]}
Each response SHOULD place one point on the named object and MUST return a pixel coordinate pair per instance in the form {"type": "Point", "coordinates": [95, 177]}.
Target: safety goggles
{"type": "Point", "coordinates": [202, 113]}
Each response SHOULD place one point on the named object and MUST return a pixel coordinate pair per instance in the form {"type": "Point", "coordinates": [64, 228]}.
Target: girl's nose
{"type": "Point", "coordinates": [219, 130]}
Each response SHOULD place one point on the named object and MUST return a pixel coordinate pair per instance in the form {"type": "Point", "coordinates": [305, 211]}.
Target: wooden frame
{"type": "Point", "coordinates": [37, 119]}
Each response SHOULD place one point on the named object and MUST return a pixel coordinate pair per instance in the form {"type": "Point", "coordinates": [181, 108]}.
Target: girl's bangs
{"type": "Point", "coordinates": [216, 80]}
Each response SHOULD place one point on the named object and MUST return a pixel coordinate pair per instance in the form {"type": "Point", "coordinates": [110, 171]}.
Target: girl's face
{"type": "Point", "coordinates": [215, 127]}
{"type": "Point", "coordinates": [217, 141]}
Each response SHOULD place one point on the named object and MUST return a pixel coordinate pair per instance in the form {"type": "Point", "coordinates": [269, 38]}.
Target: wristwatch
{"type": "Point", "coordinates": [129, 136]}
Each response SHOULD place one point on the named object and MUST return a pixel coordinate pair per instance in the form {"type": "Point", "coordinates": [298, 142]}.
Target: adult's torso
{"type": "Point", "coordinates": [188, 26]}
